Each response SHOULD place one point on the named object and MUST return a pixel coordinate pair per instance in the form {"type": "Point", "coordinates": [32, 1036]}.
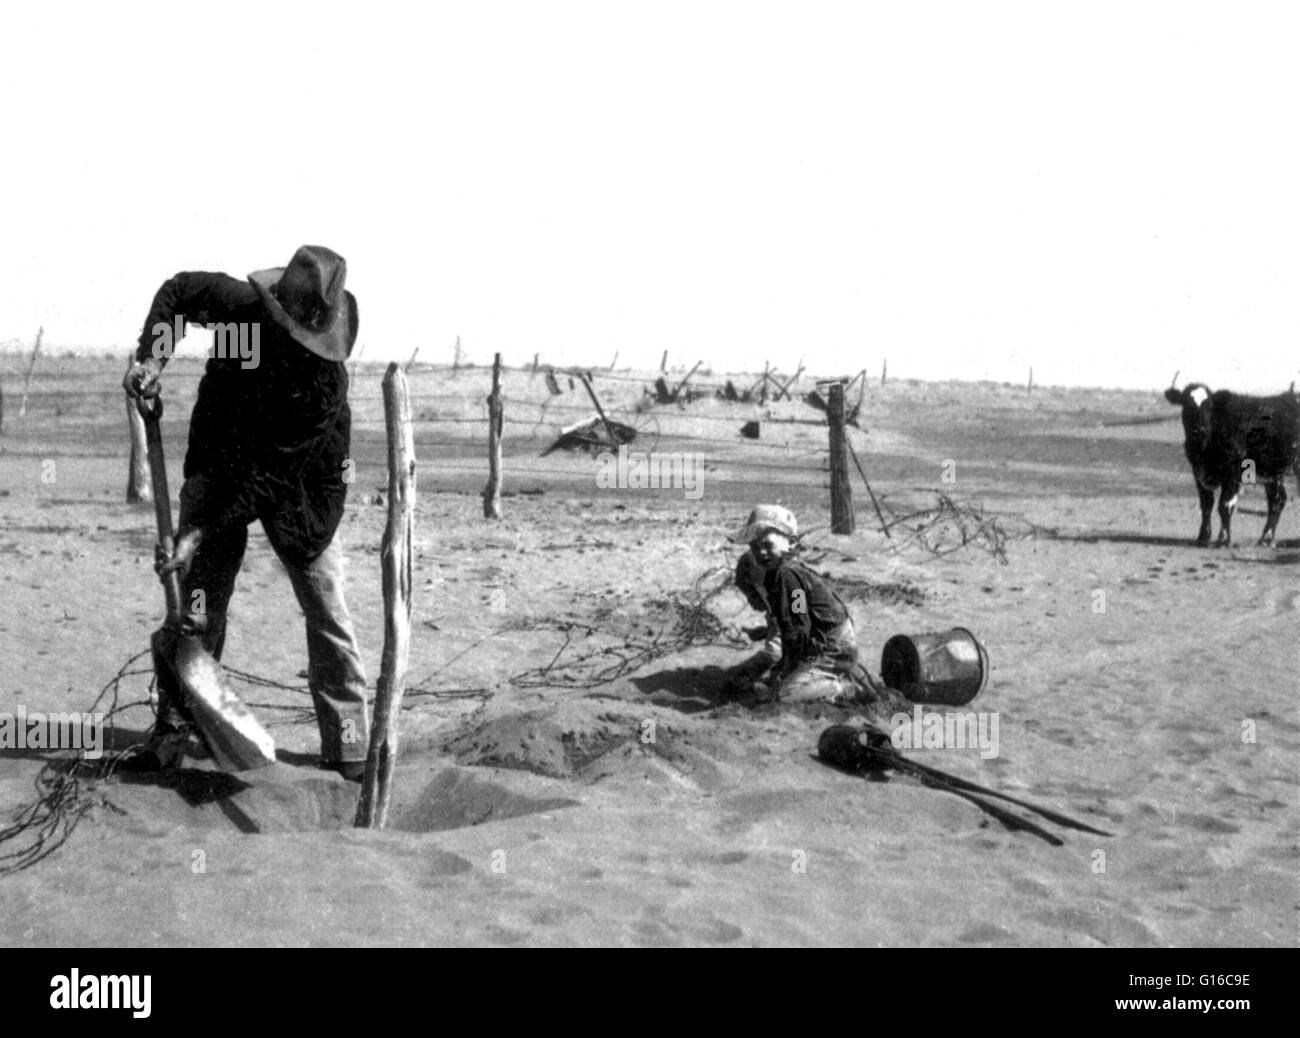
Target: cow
{"type": "Point", "coordinates": [1231, 439]}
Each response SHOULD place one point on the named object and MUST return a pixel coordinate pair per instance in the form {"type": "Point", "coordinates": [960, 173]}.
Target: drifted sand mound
{"type": "Point", "coordinates": [592, 740]}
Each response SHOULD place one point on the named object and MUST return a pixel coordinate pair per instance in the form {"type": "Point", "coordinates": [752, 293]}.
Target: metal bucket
{"type": "Point", "coordinates": [946, 668]}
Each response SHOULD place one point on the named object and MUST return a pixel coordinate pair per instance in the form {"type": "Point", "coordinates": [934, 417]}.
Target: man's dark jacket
{"type": "Point", "coordinates": [267, 442]}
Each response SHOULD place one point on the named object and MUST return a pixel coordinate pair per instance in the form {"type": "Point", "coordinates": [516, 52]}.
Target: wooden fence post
{"type": "Point", "coordinates": [395, 558]}
{"type": "Point", "coordinates": [139, 482]}
{"type": "Point", "coordinates": [615, 442]}
{"type": "Point", "coordinates": [496, 421]}
{"type": "Point", "coordinates": [31, 366]}
{"type": "Point", "coordinates": [841, 489]}
{"type": "Point", "coordinates": [663, 364]}
{"type": "Point", "coordinates": [884, 368]}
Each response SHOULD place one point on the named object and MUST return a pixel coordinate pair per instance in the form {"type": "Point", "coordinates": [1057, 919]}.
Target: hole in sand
{"type": "Point", "coordinates": [281, 799]}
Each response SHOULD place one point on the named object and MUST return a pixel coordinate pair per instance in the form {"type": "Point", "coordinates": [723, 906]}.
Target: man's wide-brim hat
{"type": "Point", "coordinates": [308, 300]}
{"type": "Point", "coordinates": [766, 518]}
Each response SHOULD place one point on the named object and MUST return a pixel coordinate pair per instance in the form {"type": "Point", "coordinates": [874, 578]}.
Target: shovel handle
{"type": "Point", "coordinates": [151, 409]}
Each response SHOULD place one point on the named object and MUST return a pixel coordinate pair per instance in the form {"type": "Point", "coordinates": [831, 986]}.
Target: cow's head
{"type": "Point", "coordinates": [1198, 411]}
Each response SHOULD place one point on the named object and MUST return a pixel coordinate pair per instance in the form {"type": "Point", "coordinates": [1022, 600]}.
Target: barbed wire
{"type": "Point", "coordinates": [692, 624]}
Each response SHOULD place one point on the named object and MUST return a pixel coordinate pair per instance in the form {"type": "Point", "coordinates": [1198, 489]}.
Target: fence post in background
{"type": "Point", "coordinates": [496, 420]}
{"type": "Point", "coordinates": [841, 490]}
{"type": "Point", "coordinates": [139, 484]}
{"type": "Point", "coordinates": [783, 390]}
{"type": "Point", "coordinates": [455, 360]}
{"type": "Point", "coordinates": [1030, 388]}
{"type": "Point", "coordinates": [614, 441]}
{"type": "Point", "coordinates": [682, 384]}
{"type": "Point", "coordinates": [354, 362]}
{"type": "Point", "coordinates": [614, 361]}
{"type": "Point", "coordinates": [762, 393]}
{"type": "Point", "coordinates": [663, 364]}
{"type": "Point", "coordinates": [31, 366]}
{"type": "Point", "coordinates": [395, 556]}
{"type": "Point", "coordinates": [414, 353]}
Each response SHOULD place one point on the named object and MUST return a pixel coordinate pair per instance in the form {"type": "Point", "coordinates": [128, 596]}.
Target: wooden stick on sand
{"type": "Point", "coordinates": [139, 480]}
{"type": "Point", "coordinates": [496, 420]}
{"type": "Point", "coordinates": [395, 558]}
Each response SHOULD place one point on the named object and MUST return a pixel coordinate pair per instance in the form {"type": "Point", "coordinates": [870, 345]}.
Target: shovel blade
{"type": "Point", "coordinates": [237, 740]}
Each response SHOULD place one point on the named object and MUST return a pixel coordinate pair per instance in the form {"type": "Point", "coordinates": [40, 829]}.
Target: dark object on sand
{"type": "Point", "coordinates": [853, 749]}
{"type": "Point", "coordinates": [870, 750]}
{"type": "Point", "coordinates": [749, 430]}
{"type": "Point", "coordinates": [592, 435]}
{"type": "Point", "coordinates": [948, 668]}
{"type": "Point", "coordinates": [233, 735]}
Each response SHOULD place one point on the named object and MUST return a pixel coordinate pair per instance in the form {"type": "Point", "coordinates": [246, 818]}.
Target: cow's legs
{"type": "Point", "coordinates": [1276, 502]}
{"type": "Point", "coordinates": [1207, 506]}
{"type": "Point", "coordinates": [1227, 505]}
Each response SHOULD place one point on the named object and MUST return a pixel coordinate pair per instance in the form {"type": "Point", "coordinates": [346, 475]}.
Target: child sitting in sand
{"type": "Point", "coordinates": [819, 647]}
{"type": "Point", "coordinates": [749, 581]}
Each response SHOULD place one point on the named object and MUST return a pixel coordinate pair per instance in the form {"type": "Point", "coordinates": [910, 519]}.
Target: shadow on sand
{"type": "Point", "coordinates": [692, 689]}
{"type": "Point", "coordinates": [1284, 553]}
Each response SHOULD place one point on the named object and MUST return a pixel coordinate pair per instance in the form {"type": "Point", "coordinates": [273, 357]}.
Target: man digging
{"type": "Point", "coordinates": [269, 440]}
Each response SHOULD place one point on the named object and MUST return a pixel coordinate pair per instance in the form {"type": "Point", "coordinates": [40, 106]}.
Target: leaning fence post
{"type": "Point", "coordinates": [496, 419]}
{"type": "Point", "coordinates": [139, 484]}
{"type": "Point", "coordinates": [395, 558]}
{"type": "Point", "coordinates": [22, 408]}
{"type": "Point", "coordinates": [841, 489]}
{"type": "Point", "coordinates": [884, 526]}
{"type": "Point", "coordinates": [609, 429]}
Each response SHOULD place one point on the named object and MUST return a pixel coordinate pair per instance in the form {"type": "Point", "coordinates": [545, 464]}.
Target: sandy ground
{"type": "Point", "coordinates": [532, 809]}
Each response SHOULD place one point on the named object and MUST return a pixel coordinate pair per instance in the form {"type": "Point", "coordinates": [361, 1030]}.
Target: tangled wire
{"type": "Point", "coordinates": [692, 624]}
{"type": "Point", "coordinates": [66, 788]}
{"type": "Point", "coordinates": [947, 527]}
{"type": "Point", "coordinates": [64, 793]}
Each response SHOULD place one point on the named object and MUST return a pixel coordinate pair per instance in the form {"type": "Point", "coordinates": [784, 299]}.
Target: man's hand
{"type": "Point", "coordinates": [182, 555]}
{"type": "Point", "coordinates": [142, 378]}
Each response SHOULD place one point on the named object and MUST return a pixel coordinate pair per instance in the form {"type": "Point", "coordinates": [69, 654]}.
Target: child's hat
{"type": "Point", "coordinates": [764, 518]}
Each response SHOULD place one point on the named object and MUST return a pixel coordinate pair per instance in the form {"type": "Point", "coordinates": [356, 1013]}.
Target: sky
{"type": "Point", "coordinates": [1107, 192]}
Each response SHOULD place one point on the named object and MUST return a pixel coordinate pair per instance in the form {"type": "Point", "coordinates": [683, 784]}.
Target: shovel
{"type": "Point", "coordinates": [233, 735]}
